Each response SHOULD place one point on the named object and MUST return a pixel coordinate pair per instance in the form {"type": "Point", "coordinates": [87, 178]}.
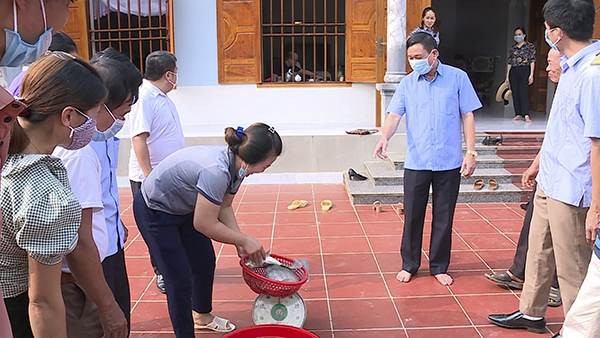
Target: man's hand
{"type": "Point", "coordinates": [528, 178]}
{"type": "Point", "coordinates": [113, 321]}
{"type": "Point", "coordinates": [125, 233]}
{"type": "Point", "coordinates": [468, 165]}
{"type": "Point", "coordinates": [592, 220]}
{"type": "Point", "coordinates": [381, 148]}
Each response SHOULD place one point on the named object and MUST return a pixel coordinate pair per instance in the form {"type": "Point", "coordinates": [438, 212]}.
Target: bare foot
{"type": "Point", "coordinates": [516, 118]}
{"type": "Point", "coordinates": [443, 278]}
{"type": "Point", "coordinates": [527, 119]}
{"type": "Point", "coordinates": [403, 276]}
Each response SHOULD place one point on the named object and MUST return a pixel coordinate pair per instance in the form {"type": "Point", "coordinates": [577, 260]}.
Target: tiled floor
{"type": "Point", "coordinates": [354, 256]}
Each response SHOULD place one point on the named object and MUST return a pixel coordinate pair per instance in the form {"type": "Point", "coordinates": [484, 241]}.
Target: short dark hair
{"type": "Point", "coordinates": [425, 39]}
{"type": "Point", "coordinates": [574, 17]}
{"type": "Point", "coordinates": [158, 63]}
{"type": "Point", "coordinates": [256, 144]}
{"type": "Point", "coordinates": [120, 76]}
{"type": "Point", "coordinates": [521, 29]}
{"type": "Point", "coordinates": [61, 42]}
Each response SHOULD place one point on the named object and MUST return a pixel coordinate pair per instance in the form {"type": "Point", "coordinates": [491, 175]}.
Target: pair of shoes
{"type": "Point", "coordinates": [354, 176]}
{"type": "Point", "coordinates": [492, 184]}
{"type": "Point", "coordinates": [554, 298]}
{"type": "Point", "coordinates": [489, 141]}
{"type": "Point", "coordinates": [297, 204]}
{"type": "Point", "coordinates": [362, 131]}
{"type": "Point", "coordinates": [326, 205]}
{"type": "Point", "coordinates": [218, 324]}
{"type": "Point", "coordinates": [524, 206]}
{"type": "Point", "coordinates": [160, 283]}
{"type": "Point", "coordinates": [505, 279]}
{"type": "Point", "coordinates": [515, 320]}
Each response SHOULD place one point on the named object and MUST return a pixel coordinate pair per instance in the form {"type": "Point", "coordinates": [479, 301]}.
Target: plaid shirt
{"type": "Point", "coordinates": [41, 217]}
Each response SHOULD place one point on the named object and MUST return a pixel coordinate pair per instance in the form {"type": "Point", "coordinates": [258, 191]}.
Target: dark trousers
{"type": "Point", "coordinates": [18, 314]}
{"type": "Point", "coordinates": [185, 257]}
{"type": "Point", "coordinates": [518, 267]}
{"type": "Point", "coordinates": [519, 84]}
{"type": "Point", "coordinates": [445, 186]}
{"type": "Point", "coordinates": [115, 274]}
{"type": "Point", "coordinates": [135, 187]}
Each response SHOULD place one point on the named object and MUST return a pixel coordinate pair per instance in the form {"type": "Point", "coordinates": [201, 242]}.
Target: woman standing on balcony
{"type": "Point", "coordinates": [184, 203]}
{"type": "Point", "coordinates": [519, 74]}
{"type": "Point", "coordinates": [428, 24]}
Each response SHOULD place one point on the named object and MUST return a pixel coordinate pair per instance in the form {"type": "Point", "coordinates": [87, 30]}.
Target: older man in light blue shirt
{"type": "Point", "coordinates": [437, 100]}
{"type": "Point", "coordinates": [569, 161]}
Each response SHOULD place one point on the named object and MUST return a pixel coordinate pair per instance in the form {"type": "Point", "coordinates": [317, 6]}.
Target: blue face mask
{"type": "Point", "coordinates": [422, 67]}
{"type": "Point", "coordinates": [549, 42]}
{"type": "Point", "coordinates": [19, 52]}
{"type": "Point", "coordinates": [519, 38]}
{"type": "Point", "coordinates": [242, 172]}
{"type": "Point", "coordinates": [110, 132]}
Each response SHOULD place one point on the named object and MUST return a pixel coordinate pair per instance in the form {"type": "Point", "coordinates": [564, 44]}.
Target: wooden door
{"type": "Point", "coordinates": [76, 27]}
{"type": "Point", "coordinates": [414, 10]}
{"type": "Point", "coordinates": [597, 25]}
{"type": "Point", "coordinates": [238, 27]}
{"type": "Point", "coordinates": [381, 58]}
{"type": "Point", "coordinates": [361, 40]}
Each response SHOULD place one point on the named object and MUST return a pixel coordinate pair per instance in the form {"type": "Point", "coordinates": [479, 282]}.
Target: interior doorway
{"type": "Point", "coordinates": [476, 36]}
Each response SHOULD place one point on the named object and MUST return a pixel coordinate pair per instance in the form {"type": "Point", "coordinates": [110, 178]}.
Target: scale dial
{"type": "Point", "coordinates": [273, 310]}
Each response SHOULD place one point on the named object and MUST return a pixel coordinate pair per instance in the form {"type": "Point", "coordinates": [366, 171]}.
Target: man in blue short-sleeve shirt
{"type": "Point", "coordinates": [437, 101]}
{"type": "Point", "coordinates": [568, 194]}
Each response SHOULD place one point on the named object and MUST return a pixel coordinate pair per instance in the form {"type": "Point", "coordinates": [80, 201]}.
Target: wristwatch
{"type": "Point", "coordinates": [472, 152]}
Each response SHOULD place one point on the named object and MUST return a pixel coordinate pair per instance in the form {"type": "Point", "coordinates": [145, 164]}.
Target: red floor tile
{"type": "Point", "coordinates": [392, 228]}
{"type": "Point", "coordinates": [340, 245]}
{"type": "Point", "coordinates": [296, 218]}
{"type": "Point", "coordinates": [499, 260]}
{"type": "Point", "coordinates": [430, 312]}
{"type": "Point", "coordinates": [150, 316]}
{"type": "Point", "coordinates": [336, 217]}
{"type": "Point", "coordinates": [251, 207]}
{"type": "Point", "coordinates": [354, 263]}
{"type": "Point", "coordinates": [255, 218]}
{"type": "Point", "coordinates": [372, 314]}
{"type": "Point", "coordinates": [422, 284]}
{"type": "Point", "coordinates": [474, 283]}
{"type": "Point", "coordinates": [474, 227]}
{"type": "Point", "coordinates": [259, 197]}
{"type": "Point", "coordinates": [340, 229]}
{"type": "Point", "coordinates": [317, 315]}
{"type": "Point", "coordinates": [356, 286]}
{"type": "Point", "coordinates": [386, 243]}
{"type": "Point", "coordinates": [296, 246]}
{"type": "Point", "coordinates": [463, 332]}
{"type": "Point", "coordinates": [291, 231]}
{"type": "Point", "coordinates": [392, 333]}
{"type": "Point", "coordinates": [466, 260]}
{"type": "Point", "coordinates": [387, 216]}
{"type": "Point", "coordinates": [506, 213]}
{"type": "Point", "coordinates": [258, 231]}
{"type": "Point", "coordinates": [389, 262]}
{"type": "Point", "coordinates": [480, 306]}
{"type": "Point", "coordinates": [488, 241]}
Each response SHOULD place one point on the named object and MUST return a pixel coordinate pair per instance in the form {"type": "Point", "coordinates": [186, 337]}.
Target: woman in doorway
{"type": "Point", "coordinates": [184, 203]}
{"type": "Point", "coordinates": [428, 24]}
{"type": "Point", "coordinates": [519, 75]}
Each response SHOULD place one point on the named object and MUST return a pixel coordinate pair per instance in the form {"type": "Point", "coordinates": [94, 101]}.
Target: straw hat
{"type": "Point", "coordinates": [503, 93]}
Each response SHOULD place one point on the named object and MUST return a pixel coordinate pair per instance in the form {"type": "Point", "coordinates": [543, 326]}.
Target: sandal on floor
{"type": "Point", "coordinates": [554, 298]}
{"type": "Point", "coordinates": [377, 206]}
{"type": "Point", "coordinates": [505, 279]}
{"type": "Point", "coordinates": [297, 204]}
{"type": "Point", "coordinates": [478, 184]}
{"type": "Point", "coordinates": [218, 324]}
{"type": "Point", "coordinates": [326, 205]}
{"type": "Point", "coordinates": [492, 184]}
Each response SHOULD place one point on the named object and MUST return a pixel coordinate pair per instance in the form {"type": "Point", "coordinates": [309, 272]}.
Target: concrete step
{"type": "Point", "coordinates": [381, 173]}
{"type": "Point", "coordinates": [396, 161]}
{"type": "Point", "coordinates": [364, 192]}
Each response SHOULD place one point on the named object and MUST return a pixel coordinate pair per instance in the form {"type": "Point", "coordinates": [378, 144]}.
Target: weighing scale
{"type": "Point", "coordinates": [277, 302]}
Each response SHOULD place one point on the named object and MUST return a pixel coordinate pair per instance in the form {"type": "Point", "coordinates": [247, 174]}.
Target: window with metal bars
{"type": "Point", "coordinates": [134, 27]}
{"type": "Point", "coordinates": [303, 40]}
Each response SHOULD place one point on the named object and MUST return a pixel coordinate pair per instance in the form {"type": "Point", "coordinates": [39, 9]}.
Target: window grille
{"type": "Point", "coordinates": [303, 40]}
{"type": "Point", "coordinates": [134, 27]}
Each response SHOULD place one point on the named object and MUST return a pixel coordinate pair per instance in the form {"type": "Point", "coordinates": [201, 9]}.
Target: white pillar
{"type": "Point", "coordinates": [396, 41]}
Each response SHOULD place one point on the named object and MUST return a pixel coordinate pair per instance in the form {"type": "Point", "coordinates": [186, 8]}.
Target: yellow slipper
{"type": "Point", "coordinates": [303, 203]}
{"type": "Point", "coordinates": [295, 205]}
{"type": "Point", "coordinates": [326, 205]}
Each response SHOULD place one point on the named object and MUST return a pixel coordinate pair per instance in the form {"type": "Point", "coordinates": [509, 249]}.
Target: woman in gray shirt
{"type": "Point", "coordinates": [184, 203]}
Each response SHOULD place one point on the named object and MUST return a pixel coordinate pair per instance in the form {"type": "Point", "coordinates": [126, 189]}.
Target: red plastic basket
{"type": "Point", "coordinates": [256, 280]}
{"type": "Point", "coordinates": [271, 331]}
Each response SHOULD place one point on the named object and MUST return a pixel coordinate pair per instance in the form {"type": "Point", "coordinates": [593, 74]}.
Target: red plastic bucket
{"type": "Point", "coordinates": [271, 331]}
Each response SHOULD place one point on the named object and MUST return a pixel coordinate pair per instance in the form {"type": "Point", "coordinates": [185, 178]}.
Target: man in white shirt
{"type": "Point", "coordinates": [154, 125]}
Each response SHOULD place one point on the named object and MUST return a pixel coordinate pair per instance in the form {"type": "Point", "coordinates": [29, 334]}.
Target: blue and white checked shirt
{"type": "Point", "coordinates": [433, 112]}
{"type": "Point", "coordinates": [565, 171]}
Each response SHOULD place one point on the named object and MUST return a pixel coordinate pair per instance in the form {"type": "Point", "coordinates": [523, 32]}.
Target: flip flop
{"type": "Point", "coordinates": [505, 279]}
{"type": "Point", "coordinates": [218, 324]}
{"type": "Point", "coordinates": [554, 298]}
{"type": "Point", "coordinates": [377, 206]}
{"type": "Point", "coordinates": [297, 204]}
{"type": "Point", "coordinates": [478, 184]}
{"type": "Point", "coordinates": [326, 205]}
{"type": "Point", "coordinates": [492, 184]}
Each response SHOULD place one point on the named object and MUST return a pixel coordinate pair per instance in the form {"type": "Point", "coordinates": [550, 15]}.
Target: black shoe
{"type": "Point", "coordinates": [524, 206]}
{"type": "Point", "coordinates": [558, 335]}
{"type": "Point", "coordinates": [515, 320]}
{"type": "Point", "coordinates": [160, 283]}
{"type": "Point", "coordinates": [354, 176]}
{"type": "Point", "coordinates": [487, 141]}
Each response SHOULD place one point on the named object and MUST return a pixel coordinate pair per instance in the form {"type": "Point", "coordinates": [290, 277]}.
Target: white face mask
{"type": "Point", "coordinates": [174, 84]}
{"type": "Point", "coordinates": [111, 131]}
{"type": "Point", "coordinates": [19, 52]}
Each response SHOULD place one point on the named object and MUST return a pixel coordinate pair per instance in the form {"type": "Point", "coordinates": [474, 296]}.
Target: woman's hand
{"type": "Point", "coordinates": [254, 249]}
{"type": "Point", "coordinates": [530, 80]}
